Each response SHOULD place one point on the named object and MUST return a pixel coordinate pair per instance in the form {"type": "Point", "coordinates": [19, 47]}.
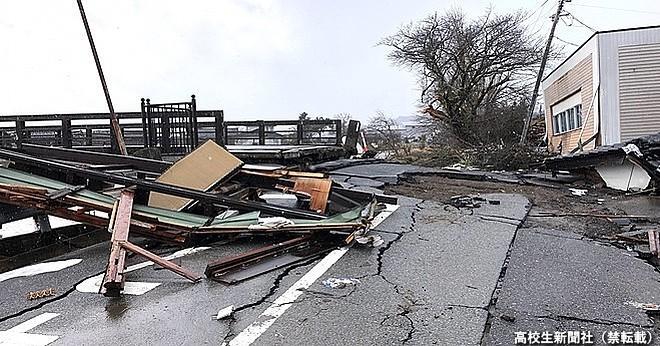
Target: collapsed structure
{"type": "Point", "coordinates": [206, 195]}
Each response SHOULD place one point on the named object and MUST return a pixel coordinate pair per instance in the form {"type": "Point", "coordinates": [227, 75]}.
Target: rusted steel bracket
{"type": "Point", "coordinates": [120, 222]}
{"type": "Point", "coordinates": [234, 269]}
{"type": "Point", "coordinates": [654, 243]}
{"type": "Point", "coordinates": [65, 191]}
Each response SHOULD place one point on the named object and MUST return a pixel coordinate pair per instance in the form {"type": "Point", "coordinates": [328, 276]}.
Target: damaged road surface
{"type": "Point", "coordinates": [430, 281]}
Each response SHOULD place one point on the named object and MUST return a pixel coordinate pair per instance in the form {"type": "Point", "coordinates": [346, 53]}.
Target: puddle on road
{"type": "Point", "coordinates": [116, 307]}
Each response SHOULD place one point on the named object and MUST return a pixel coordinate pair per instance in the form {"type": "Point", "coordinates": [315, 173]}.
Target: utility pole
{"type": "Point", "coordinates": [114, 123]}
{"type": "Point", "coordinates": [528, 120]}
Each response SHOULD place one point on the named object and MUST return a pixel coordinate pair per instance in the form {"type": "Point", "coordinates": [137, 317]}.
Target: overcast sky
{"type": "Point", "coordinates": [254, 59]}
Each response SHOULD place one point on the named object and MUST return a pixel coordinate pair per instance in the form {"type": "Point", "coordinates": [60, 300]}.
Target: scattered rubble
{"type": "Point", "coordinates": [339, 282]}
{"type": "Point", "coordinates": [207, 194]}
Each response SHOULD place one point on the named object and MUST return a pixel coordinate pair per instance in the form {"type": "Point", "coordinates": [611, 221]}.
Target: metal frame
{"type": "Point", "coordinates": [170, 126]}
{"type": "Point", "coordinates": [203, 197]}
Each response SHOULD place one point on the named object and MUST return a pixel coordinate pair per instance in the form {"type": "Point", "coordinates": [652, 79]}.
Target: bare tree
{"type": "Point", "coordinates": [385, 132]}
{"type": "Point", "coordinates": [468, 67]}
{"type": "Point", "coordinates": [345, 118]}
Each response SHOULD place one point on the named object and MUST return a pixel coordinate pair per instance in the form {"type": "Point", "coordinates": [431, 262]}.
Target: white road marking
{"type": "Point", "coordinates": [92, 285]}
{"type": "Point", "coordinates": [248, 335]}
{"type": "Point", "coordinates": [27, 226]}
{"type": "Point", "coordinates": [33, 322]}
{"type": "Point", "coordinates": [19, 335]}
{"type": "Point", "coordinates": [39, 268]}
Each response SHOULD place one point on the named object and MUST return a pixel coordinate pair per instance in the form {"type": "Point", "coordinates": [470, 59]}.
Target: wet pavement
{"type": "Point", "coordinates": [444, 276]}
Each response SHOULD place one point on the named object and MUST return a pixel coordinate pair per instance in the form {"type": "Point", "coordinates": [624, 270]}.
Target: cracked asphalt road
{"type": "Point", "coordinates": [430, 282]}
{"type": "Point", "coordinates": [444, 276]}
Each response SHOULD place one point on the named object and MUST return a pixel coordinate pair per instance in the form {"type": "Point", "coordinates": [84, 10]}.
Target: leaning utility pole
{"type": "Point", "coordinates": [528, 120]}
{"type": "Point", "coordinates": [114, 123]}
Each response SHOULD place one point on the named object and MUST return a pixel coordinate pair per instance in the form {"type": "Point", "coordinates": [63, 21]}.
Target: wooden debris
{"type": "Point", "coordinates": [201, 170]}
{"type": "Point", "coordinates": [49, 292]}
{"type": "Point", "coordinates": [319, 190]}
{"type": "Point", "coordinates": [654, 243]}
{"type": "Point", "coordinates": [113, 282]}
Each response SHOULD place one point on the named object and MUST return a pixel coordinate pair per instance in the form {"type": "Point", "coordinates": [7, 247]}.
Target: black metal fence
{"type": "Point", "coordinates": [174, 128]}
{"type": "Point", "coordinates": [171, 126]}
{"type": "Point", "coordinates": [91, 131]}
{"type": "Point", "coordinates": [283, 132]}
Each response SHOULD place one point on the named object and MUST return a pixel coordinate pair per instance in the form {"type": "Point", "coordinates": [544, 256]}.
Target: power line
{"type": "Point", "coordinates": [616, 9]}
{"type": "Point", "coordinates": [538, 8]}
{"type": "Point", "coordinates": [564, 41]}
{"type": "Point", "coordinates": [581, 22]}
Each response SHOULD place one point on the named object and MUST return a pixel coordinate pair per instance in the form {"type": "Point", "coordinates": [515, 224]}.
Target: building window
{"type": "Point", "coordinates": [567, 119]}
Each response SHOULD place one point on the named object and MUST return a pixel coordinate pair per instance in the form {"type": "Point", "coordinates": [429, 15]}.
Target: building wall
{"type": "Point", "coordinates": [639, 90]}
{"type": "Point", "coordinates": [622, 113]}
{"type": "Point", "coordinates": [577, 78]}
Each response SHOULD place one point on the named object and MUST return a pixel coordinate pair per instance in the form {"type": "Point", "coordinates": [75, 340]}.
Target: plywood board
{"type": "Point", "coordinates": [319, 189]}
{"type": "Point", "coordinates": [201, 170]}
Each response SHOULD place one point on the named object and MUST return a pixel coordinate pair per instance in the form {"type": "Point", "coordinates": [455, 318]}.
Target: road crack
{"type": "Point", "coordinates": [560, 318]}
{"type": "Point", "coordinates": [264, 299]}
{"type": "Point", "coordinates": [46, 302]}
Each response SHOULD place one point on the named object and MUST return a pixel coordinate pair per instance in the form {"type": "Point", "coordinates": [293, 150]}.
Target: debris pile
{"type": "Point", "coordinates": [206, 195]}
{"type": "Point", "coordinates": [630, 166]}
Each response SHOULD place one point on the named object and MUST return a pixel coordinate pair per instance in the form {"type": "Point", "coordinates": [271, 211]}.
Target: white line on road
{"type": "Point", "coordinates": [248, 335]}
{"type": "Point", "coordinates": [92, 285]}
{"type": "Point", "coordinates": [18, 335]}
{"type": "Point", "coordinates": [39, 268]}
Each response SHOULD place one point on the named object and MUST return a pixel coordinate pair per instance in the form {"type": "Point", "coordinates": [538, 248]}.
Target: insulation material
{"type": "Point", "coordinates": [202, 169]}
{"type": "Point", "coordinates": [625, 176]}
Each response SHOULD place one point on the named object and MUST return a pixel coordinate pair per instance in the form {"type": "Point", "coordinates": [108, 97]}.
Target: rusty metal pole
{"type": "Point", "coordinates": [114, 123]}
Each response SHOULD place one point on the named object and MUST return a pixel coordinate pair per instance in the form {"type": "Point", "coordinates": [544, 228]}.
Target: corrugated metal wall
{"type": "Point", "coordinates": [639, 90]}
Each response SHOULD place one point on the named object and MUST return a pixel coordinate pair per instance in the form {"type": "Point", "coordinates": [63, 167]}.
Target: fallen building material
{"type": "Point", "coordinates": [319, 189]}
{"type": "Point", "coordinates": [607, 216]}
{"type": "Point", "coordinates": [225, 312]}
{"type": "Point", "coordinates": [654, 243]}
{"type": "Point", "coordinates": [223, 201]}
{"type": "Point", "coordinates": [48, 292]}
{"type": "Point", "coordinates": [201, 170]}
{"type": "Point", "coordinates": [77, 155]}
{"type": "Point", "coordinates": [234, 269]}
{"type": "Point", "coordinates": [155, 186]}
{"type": "Point", "coordinates": [120, 221]}
{"type": "Point", "coordinates": [629, 166]}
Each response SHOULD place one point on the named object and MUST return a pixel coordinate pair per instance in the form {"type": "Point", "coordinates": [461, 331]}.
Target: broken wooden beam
{"type": "Point", "coordinates": [120, 222]}
{"type": "Point", "coordinates": [169, 265]}
{"type": "Point", "coordinates": [654, 243]}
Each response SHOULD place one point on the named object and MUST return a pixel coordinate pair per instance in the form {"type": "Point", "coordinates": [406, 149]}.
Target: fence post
{"type": "Point", "coordinates": [193, 121]}
{"type": "Point", "coordinates": [338, 131]}
{"type": "Point", "coordinates": [299, 132]}
{"type": "Point", "coordinates": [352, 135]}
{"type": "Point", "coordinates": [88, 136]}
{"type": "Point", "coordinates": [219, 132]}
{"type": "Point", "coordinates": [262, 133]}
{"type": "Point", "coordinates": [66, 132]}
{"type": "Point", "coordinates": [145, 128]}
{"type": "Point", "coordinates": [20, 132]}
{"type": "Point", "coordinates": [225, 131]}
{"type": "Point", "coordinates": [165, 132]}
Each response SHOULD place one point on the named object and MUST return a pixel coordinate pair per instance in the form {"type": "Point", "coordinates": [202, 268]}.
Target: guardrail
{"type": "Point", "coordinates": [91, 131]}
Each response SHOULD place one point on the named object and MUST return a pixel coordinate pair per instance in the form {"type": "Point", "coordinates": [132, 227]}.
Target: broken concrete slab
{"type": "Point", "coordinates": [555, 282]}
